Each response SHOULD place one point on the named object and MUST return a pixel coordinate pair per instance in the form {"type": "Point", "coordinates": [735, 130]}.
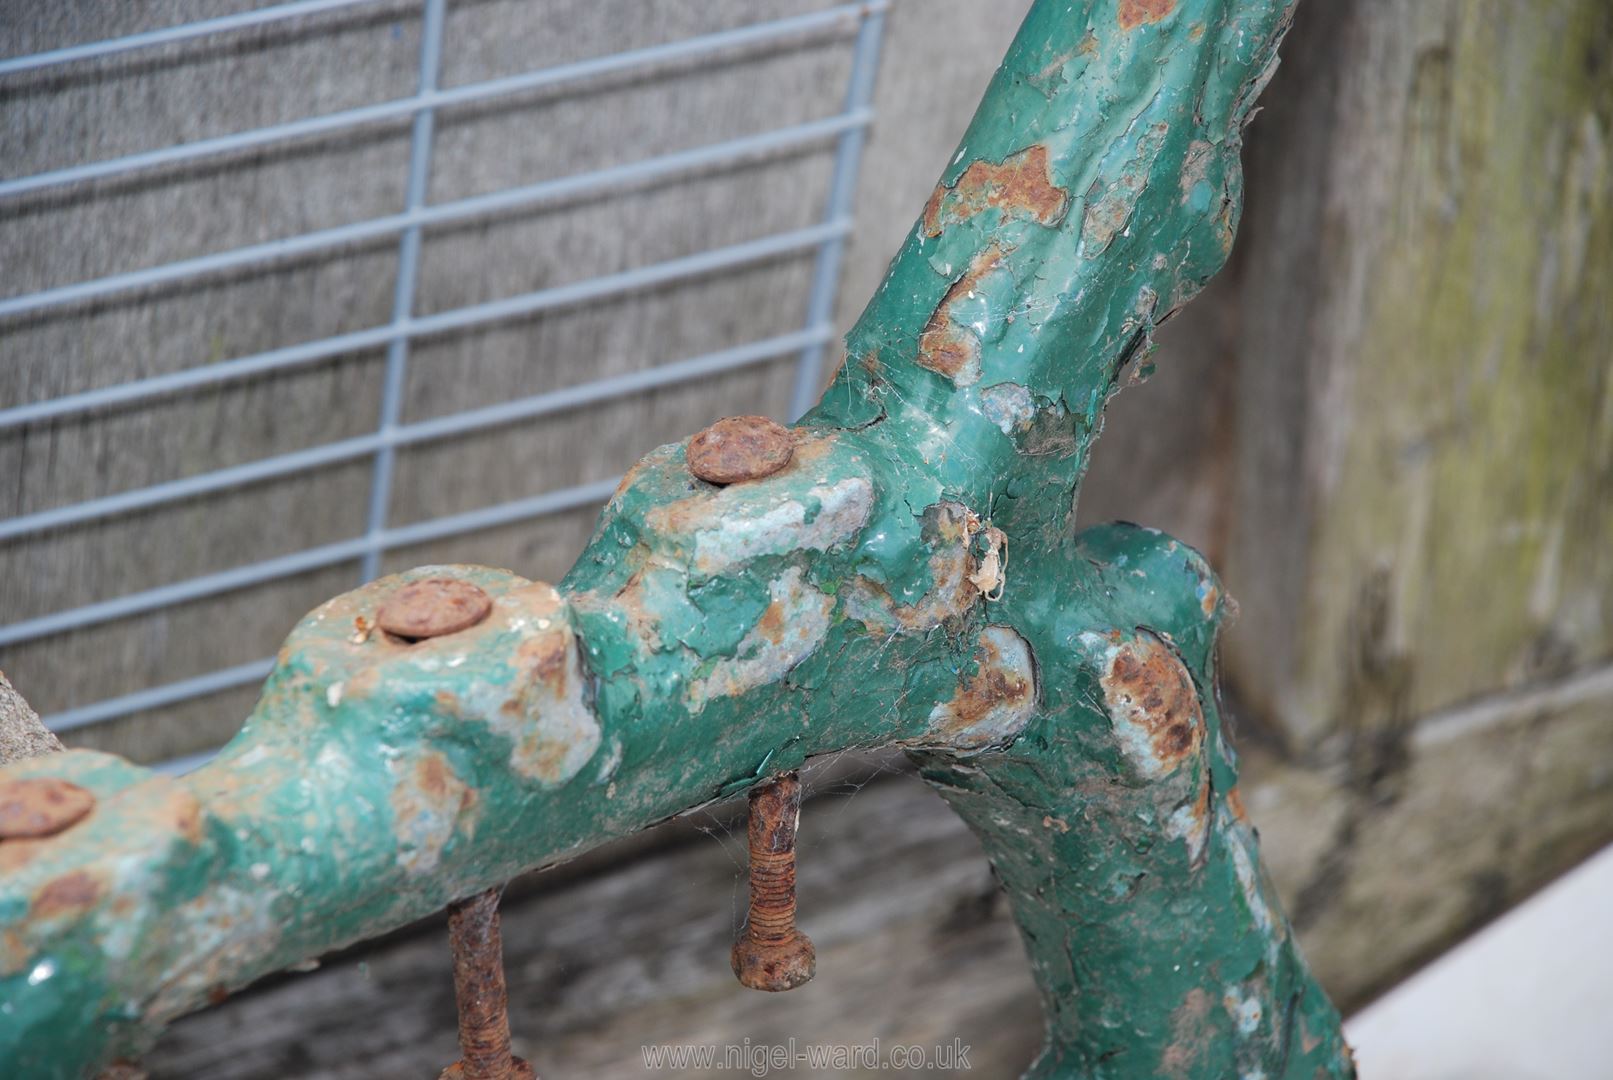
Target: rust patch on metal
{"type": "Point", "coordinates": [1134, 13]}
{"type": "Point", "coordinates": [548, 718]}
{"type": "Point", "coordinates": [1000, 692]}
{"type": "Point", "coordinates": [740, 448]}
{"type": "Point", "coordinates": [1226, 226]}
{"type": "Point", "coordinates": [771, 624]}
{"type": "Point", "coordinates": [547, 657]}
{"type": "Point", "coordinates": [1190, 822]}
{"type": "Point", "coordinates": [181, 810]}
{"type": "Point", "coordinates": [14, 854]}
{"type": "Point", "coordinates": [1153, 705]}
{"type": "Point", "coordinates": [1021, 187]}
{"type": "Point", "coordinates": [994, 704]}
{"type": "Point", "coordinates": [72, 892]}
{"type": "Point", "coordinates": [428, 806]}
{"type": "Point", "coordinates": [947, 348]}
{"type": "Point", "coordinates": [949, 532]}
{"type": "Point", "coordinates": [791, 627]}
{"type": "Point", "coordinates": [432, 608]}
{"type": "Point", "coordinates": [35, 807]}
{"type": "Point", "coordinates": [1235, 804]}
{"type": "Point", "coordinates": [1189, 1032]}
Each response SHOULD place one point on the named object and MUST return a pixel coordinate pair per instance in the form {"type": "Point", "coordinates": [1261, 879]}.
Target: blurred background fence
{"type": "Point", "coordinates": [1389, 423]}
{"type": "Point", "coordinates": [283, 281]}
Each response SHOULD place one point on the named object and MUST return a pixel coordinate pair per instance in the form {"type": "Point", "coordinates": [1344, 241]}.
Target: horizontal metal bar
{"type": "Point", "coordinates": [471, 420]}
{"type": "Point", "coordinates": [179, 766]}
{"type": "Point", "coordinates": [169, 35]}
{"type": "Point", "coordinates": [546, 191]}
{"type": "Point", "coordinates": [689, 48]}
{"type": "Point", "coordinates": [155, 697]}
{"type": "Point", "coordinates": [298, 562]}
{"type": "Point", "coordinates": [626, 281]}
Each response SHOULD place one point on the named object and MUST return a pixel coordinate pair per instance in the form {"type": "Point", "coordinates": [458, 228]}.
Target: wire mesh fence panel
{"type": "Point", "coordinates": [300, 294]}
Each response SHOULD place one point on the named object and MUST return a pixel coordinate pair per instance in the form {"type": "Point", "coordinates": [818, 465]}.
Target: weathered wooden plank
{"type": "Point", "coordinates": [1422, 509]}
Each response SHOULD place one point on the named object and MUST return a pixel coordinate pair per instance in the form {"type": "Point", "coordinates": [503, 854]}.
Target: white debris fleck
{"type": "Point", "coordinates": [1008, 405]}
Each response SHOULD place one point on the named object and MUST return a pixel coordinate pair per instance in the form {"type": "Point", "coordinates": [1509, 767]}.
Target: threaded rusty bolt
{"type": "Point", "coordinates": [40, 806]}
{"type": "Point", "coordinates": [432, 608]}
{"type": "Point", "coordinates": [740, 448]}
{"type": "Point", "coordinates": [771, 954]}
{"type": "Point", "coordinates": [479, 992]}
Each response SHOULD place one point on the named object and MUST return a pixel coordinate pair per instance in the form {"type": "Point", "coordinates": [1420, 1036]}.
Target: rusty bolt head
{"type": "Point", "coordinates": [41, 806]}
{"type": "Point", "coordinates": [740, 448]}
{"type": "Point", "coordinates": [774, 966]}
{"type": "Point", "coordinates": [518, 1069]}
{"type": "Point", "coordinates": [432, 608]}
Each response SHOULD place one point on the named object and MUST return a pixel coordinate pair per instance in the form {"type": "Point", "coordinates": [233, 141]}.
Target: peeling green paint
{"type": "Point", "coordinates": [909, 578]}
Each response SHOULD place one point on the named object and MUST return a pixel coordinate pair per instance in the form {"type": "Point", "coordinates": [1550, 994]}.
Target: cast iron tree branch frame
{"type": "Point", "coordinates": [911, 577]}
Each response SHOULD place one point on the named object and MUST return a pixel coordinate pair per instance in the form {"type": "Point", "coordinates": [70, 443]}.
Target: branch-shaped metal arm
{"type": "Point", "coordinates": [900, 569]}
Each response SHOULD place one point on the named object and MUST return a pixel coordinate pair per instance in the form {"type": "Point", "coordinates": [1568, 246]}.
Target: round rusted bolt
{"type": "Point", "coordinates": [771, 954]}
{"type": "Point", "coordinates": [432, 608]}
{"type": "Point", "coordinates": [41, 806]}
{"type": "Point", "coordinates": [740, 448]}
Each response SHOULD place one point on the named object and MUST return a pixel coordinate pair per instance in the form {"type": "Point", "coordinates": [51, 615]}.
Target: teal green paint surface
{"type": "Point", "coordinates": [709, 638]}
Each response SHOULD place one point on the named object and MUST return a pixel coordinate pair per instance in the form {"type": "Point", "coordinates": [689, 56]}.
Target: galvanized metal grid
{"type": "Point", "coordinates": [862, 23]}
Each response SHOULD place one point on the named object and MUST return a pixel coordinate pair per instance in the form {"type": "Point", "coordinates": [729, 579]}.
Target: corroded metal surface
{"type": "Point", "coordinates": [479, 993]}
{"type": "Point", "coordinates": [432, 608]}
{"type": "Point", "coordinates": [858, 593]}
{"type": "Point", "coordinates": [41, 806]}
{"type": "Point", "coordinates": [771, 953]}
{"type": "Point", "coordinates": [740, 448]}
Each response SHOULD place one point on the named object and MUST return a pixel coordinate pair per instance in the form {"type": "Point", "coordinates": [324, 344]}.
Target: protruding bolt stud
{"type": "Point", "coordinates": [40, 806]}
{"type": "Point", "coordinates": [123, 1069]}
{"type": "Point", "coordinates": [432, 608]}
{"type": "Point", "coordinates": [484, 1021]}
{"type": "Point", "coordinates": [740, 448]}
{"type": "Point", "coordinates": [771, 954]}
